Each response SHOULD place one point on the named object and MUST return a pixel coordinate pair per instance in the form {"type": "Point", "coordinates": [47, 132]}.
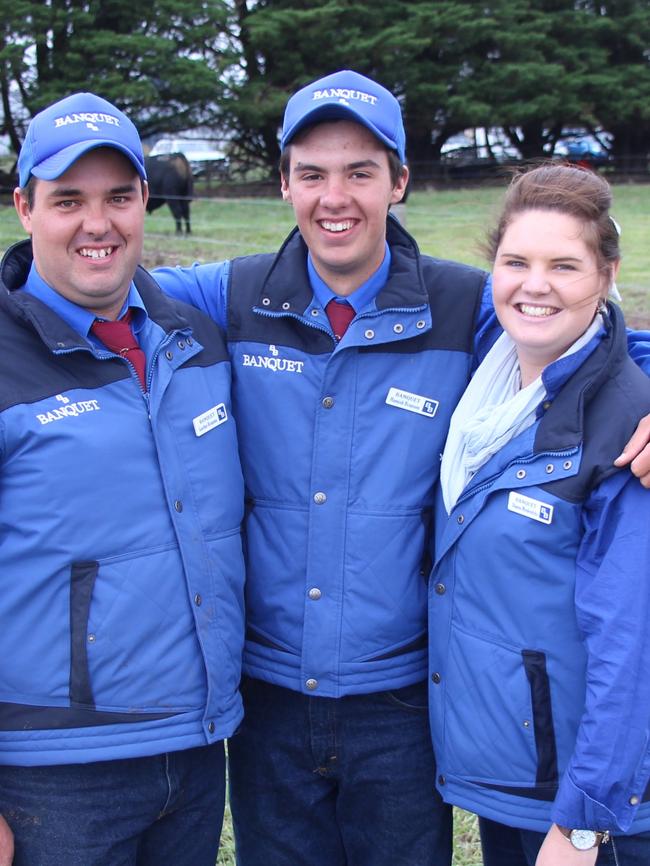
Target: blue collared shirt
{"type": "Point", "coordinates": [363, 297]}
{"type": "Point", "coordinates": [79, 318]}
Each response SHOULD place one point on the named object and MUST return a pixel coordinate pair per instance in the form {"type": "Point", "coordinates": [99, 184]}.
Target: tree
{"type": "Point", "coordinates": [284, 44]}
{"type": "Point", "coordinates": [533, 72]}
{"type": "Point", "coordinates": [525, 66]}
{"type": "Point", "coordinates": [160, 62]}
{"type": "Point", "coordinates": [531, 67]}
{"type": "Point", "coordinates": [416, 48]}
{"type": "Point", "coordinates": [620, 87]}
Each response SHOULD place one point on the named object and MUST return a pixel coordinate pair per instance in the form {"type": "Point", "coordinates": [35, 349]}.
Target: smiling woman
{"type": "Point", "coordinates": [555, 255]}
{"type": "Point", "coordinates": [542, 552]}
{"type": "Point", "coordinates": [547, 286]}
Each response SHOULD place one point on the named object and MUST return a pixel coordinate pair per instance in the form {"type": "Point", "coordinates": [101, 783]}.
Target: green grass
{"type": "Point", "coordinates": [453, 223]}
{"type": "Point", "coordinates": [449, 224]}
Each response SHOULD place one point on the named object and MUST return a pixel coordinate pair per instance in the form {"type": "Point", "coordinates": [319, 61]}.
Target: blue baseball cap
{"type": "Point", "coordinates": [351, 96]}
{"type": "Point", "coordinates": [61, 133]}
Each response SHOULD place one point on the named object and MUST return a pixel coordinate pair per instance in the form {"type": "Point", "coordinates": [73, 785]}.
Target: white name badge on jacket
{"type": "Point", "coordinates": [529, 507]}
{"type": "Point", "coordinates": [412, 402]}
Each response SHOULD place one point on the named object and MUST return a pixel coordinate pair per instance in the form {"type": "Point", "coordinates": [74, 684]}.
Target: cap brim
{"type": "Point", "coordinates": [334, 112]}
{"type": "Point", "coordinates": [55, 165]}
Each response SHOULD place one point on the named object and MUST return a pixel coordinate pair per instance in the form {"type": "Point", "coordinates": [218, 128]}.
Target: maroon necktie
{"type": "Point", "coordinates": [340, 314]}
{"type": "Point", "coordinates": [119, 338]}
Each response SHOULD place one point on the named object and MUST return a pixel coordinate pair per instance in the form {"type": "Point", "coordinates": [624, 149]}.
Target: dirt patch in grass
{"type": "Point", "coordinates": [639, 323]}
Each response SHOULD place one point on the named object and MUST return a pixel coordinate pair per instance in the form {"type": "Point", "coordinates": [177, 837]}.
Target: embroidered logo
{"type": "Point", "coordinates": [529, 507]}
{"type": "Point", "coordinates": [273, 362]}
{"type": "Point", "coordinates": [412, 402]}
{"type": "Point", "coordinates": [344, 95]}
{"type": "Point", "coordinates": [210, 419]}
{"type": "Point", "coordinates": [90, 118]}
{"type": "Point", "coordinates": [68, 409]}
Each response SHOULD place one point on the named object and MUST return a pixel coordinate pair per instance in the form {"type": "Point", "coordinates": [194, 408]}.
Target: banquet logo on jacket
{"type": "Point", "coordinates": [68, 409]}
{"type": "Point", "coordinates": [273, 362]}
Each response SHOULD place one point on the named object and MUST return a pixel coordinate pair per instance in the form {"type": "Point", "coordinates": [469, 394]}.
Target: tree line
{"type": "Point", "coordinates": [530, 67]}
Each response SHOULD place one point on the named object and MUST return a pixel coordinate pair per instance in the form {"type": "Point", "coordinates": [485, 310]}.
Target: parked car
{"type": "Point", "coordinates": [478, 145]}
{"type": "Point", "coordinates": [201, 153]}
{"type": "Point", "coordinates": [582, 147]}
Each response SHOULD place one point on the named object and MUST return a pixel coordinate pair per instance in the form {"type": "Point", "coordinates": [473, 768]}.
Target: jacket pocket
{"type": "Point", "coordinates": [426, 562]}
{"type": "Point", "coordinates": [82, 582]}
{"type": "Point", "coordinates": [488, 726]}
{"type": "Point", "coordinates": [540, 695]}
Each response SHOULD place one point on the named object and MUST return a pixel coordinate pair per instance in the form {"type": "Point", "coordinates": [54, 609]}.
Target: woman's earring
{"type": "Point", "coordinates": [614, 293]}
{"type": "Point", "coordinates": [602, 306]}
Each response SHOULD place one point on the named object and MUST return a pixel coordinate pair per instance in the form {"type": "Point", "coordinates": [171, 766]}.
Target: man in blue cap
{"type": "Point", "coordinates": [350, 351]}
{"type": "Point", "coordinates": [121, 504]}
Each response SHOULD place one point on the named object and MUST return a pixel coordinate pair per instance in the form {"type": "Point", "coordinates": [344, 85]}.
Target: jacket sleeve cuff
{"type": "Point", "coordinates": [575, 808]}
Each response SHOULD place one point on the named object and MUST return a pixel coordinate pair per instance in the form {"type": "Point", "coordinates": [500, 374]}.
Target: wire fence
{"type": "Point", "coordinates": [442, 174]}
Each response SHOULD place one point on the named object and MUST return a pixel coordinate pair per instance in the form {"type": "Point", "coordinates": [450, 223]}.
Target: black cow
{"type": "Point", "coordinates": [170, 180]}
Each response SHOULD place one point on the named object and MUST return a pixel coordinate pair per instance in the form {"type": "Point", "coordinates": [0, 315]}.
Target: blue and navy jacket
{"type": "Point", "coordinates": [340, 446]}
{"type": "Point", "coordinates": [121, 563]}
{"type": "Point", "coordinates": [539, 612]}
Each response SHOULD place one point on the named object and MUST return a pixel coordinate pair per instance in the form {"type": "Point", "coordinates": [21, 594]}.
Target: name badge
{"type": "Point", "coordinates": [412, 402]}
{"type": "Point", "coordinates": [529, 507]}
{"type": "Point", "coordinates": [210, 419]}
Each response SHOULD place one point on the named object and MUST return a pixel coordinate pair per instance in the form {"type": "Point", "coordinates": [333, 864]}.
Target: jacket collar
{"type": "Point", "coordinates": [56, 333]}
{"type": "Point", "coordinates": [562, 424]}
{"type": "Point", "coordinates": [287, 286]}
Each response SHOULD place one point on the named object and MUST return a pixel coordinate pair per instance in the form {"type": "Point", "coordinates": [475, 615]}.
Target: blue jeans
{"type": "Point", "coordinates": [331, 782]}
{"type": "Point", "coordinates": [166, 809]}
{"type": "Point", "coordinates": [508, 846]}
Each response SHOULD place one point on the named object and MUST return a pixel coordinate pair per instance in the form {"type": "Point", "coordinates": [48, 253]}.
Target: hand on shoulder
{"type": "Point", "coordinates": [636, 453]}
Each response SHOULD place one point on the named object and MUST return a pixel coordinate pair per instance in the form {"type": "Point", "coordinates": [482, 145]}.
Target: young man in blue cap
{"type": "Point", "coordinates": [121, 504]}
{"type": "Point", "coordinates": [350, 352]}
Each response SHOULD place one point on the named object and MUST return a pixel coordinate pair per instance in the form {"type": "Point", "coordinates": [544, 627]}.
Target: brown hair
{"type": "Point", "coordinates": [568, 190]}
{"type": "Point", "coordinates": [28, 191]}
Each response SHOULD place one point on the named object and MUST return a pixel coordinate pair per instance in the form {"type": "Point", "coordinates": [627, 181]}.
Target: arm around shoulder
{"type": "Point", "coordinates": [636, 453]}
{"type": "Point", "coordinates": [488, 328]}
{"type": "Point", "coordinates": [202, 286]}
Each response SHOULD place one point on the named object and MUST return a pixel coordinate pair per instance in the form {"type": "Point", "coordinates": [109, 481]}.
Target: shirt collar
{"type": "Point", "coordinates": [79, 318]}
{"type": "Point", "coordinates": [362, 297]}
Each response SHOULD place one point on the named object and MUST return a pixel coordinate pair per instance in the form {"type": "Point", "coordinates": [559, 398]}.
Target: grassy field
{"type": "Point", "coordinates": [449, 224]}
